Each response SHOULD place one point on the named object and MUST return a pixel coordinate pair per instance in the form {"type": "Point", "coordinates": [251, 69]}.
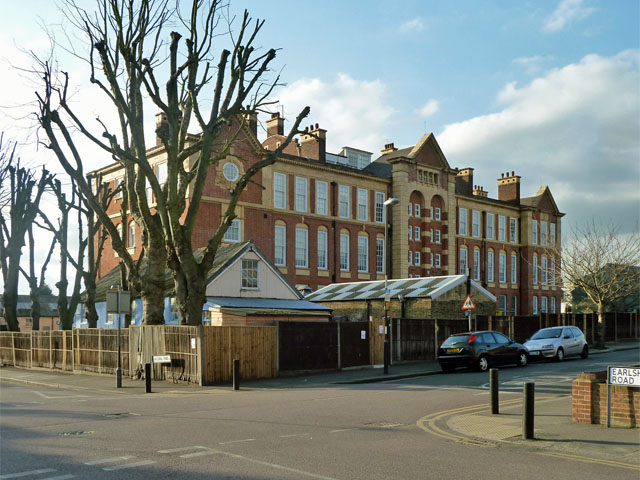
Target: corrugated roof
{"type": "Point", "coordinates": [263, 303]}
{"type": "Point", "coordinates": [424, 287]}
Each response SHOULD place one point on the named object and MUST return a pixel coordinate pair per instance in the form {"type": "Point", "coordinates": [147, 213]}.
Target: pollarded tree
{"type": "Point", "coordinates": [602, 262]}
{"type": "Point", "coordinates": [127, 63]}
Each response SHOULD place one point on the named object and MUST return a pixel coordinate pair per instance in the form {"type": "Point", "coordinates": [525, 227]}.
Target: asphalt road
{"type": "Point", "coordinates": [342, 432]}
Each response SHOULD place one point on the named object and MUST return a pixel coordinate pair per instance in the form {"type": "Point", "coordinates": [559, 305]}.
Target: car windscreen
{"type": "Point", "coordinates": [547, 333]}
{"type": "Point", "coordinates": [456, 339]}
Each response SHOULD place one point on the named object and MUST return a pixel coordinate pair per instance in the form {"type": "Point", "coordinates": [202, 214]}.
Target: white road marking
{"type": "Point", "coordinates": [200, 454]}
{"type": "Point", "coordinates": [54, 397]}
{"type": "Point", "coordinates": [342, 430]}
{"type": "Point", "coordinates": [279, 467]}
{"type": "Point", "coordinates": [59, 477]}
{"type": "Point", "coordinates": [237, 441]}
{"type": "Point", "coordinates": [129, 465]}
{"type": "Point", "coordinates": [295, 435]}
{"type": "Point", "coordinates": [182, 449]}
{"type": "Point", "coordinates": [107, 460]}
{"type": "Point", "coordinates": [26, 474]}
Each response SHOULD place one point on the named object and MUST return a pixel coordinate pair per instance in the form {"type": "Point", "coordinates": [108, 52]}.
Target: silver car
{"type": "Point", "coordinates": [557, 343]}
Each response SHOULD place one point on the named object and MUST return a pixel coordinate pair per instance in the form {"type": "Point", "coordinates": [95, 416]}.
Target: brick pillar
{"type": "Point", "coordinates": [585, 397]}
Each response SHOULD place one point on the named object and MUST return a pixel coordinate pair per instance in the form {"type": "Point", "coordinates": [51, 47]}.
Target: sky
{"type": "Point", "coordinates": [549, 89]}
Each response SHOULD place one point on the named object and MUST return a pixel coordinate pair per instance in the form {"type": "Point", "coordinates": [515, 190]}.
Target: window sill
{"type": "Point", "coordinates": [303, 271]}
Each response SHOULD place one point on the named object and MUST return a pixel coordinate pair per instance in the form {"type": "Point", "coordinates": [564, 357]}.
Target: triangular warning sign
{"type": "Point", "coordinates": [468, 303]}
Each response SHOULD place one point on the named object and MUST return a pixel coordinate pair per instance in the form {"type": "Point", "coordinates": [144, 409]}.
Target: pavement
{"type": "Point", "coordinates": [556, 435]}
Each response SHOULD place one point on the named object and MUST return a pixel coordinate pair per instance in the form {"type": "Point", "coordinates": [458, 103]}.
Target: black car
{"type": "Point", "coordinates": [480, 350]}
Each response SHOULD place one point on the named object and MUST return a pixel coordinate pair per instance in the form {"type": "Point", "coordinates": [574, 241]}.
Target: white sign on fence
{"type": "Point", "coordinates": [161, 358]}
{"type": "Point", "coordinates": [628, 376]}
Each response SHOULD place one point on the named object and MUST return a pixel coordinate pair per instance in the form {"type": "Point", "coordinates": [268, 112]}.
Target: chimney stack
{"type": "Point", "coordinates": [251, 119]}
{"type": "Point", "coordinates": [509, 188]}
{"type": "Point", "coordinates": [313, 143]}
{"type": "Point", "coordinates": [464, 181]}
{"type": "Point", "coordinates": [275, 125]}
{"type": "Point", "coordinates": [479, 191]}
{"type": "Point", "coordinates": [389, 148]}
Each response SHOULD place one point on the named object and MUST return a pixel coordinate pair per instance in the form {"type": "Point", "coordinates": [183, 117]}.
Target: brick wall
{"type": "Point", "coordinates": [589, 401]}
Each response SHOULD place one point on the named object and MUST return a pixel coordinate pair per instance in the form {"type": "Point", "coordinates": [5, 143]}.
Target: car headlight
{"type": "Point", "coordinates": [547, 346]}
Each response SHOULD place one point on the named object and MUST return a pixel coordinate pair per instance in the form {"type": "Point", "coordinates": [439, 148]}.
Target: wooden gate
{"type": "Point", "coordinates": [354, 344]}
{"type": "Point", "coordinates": [307, 346]}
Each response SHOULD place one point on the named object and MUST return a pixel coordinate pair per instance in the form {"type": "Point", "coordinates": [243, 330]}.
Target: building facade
{"type": "Point", "coordinates": [320, 217]}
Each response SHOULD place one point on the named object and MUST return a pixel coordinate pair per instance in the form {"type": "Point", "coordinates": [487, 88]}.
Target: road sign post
{"type": "Point", "coordinates": [467, 306]}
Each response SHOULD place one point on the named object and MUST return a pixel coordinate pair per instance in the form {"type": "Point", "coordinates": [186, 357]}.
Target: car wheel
{"type": "Point", "coordinates": [585, 351]}
{"type": "Point", "coordinates": [560, 355]}
{"type": "Point", "coordinates": [523, 359]}
{"type": "Point", "coordinates": [483, 363]}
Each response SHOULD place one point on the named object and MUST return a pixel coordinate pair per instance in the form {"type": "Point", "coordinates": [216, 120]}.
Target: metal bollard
{"type": "Point", "coordinates": [494, 389]}
{"type": "Point", "coordinates": [147, 377]}
{"type": "Point", "coordinates": [528, 410]}
{"type": "Point", "coordinates": [236, 374]}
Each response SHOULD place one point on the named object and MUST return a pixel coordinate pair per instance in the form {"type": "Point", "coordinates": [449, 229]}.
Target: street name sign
{"type": "Point", "coordinates": [628, 376]}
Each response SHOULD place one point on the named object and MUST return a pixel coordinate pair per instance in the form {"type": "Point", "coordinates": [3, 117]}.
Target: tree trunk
{"type": "Point", "coordinates": [153, 283]}
{"type": "Point", "coordinates": [600, 342]}
{"type": "Point", "coordinates": [10, 296]}
{"type": "Point", "coordinates": [90, 312]}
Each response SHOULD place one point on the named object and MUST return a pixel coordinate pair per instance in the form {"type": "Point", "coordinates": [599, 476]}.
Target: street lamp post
{"type": "Point", "coordinates": [387, 295]}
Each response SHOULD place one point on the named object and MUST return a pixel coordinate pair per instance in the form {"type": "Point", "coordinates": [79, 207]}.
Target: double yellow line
{"type": "Point", "coordinates": [428, 424]}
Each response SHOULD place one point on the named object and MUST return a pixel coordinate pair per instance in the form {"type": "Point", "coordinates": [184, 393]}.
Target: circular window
{"type": "Point", "coordinates": [230, 171]}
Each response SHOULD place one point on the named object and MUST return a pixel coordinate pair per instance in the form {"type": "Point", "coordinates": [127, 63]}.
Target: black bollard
{"type": "Point", "coordinates": [236, 374]}
{"type": "Point", "coordinates": [528, 410]}
{"type": "Point", "coordinates": [147, 377]}
{"type": "Point", "coordinates": [494, 389]}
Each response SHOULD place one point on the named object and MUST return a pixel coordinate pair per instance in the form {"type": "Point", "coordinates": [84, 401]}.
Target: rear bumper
{"type": "Point", "coordinates": [456, 361]}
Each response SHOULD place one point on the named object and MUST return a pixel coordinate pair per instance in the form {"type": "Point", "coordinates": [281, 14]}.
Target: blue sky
{"type": "Point", "coordinates": [549, 88]}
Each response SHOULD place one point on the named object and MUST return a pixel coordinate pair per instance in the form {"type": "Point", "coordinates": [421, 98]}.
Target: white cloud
{"type": "Point", "coordinates": [413, 25]}
{"type": "Point", "coordinates": [430, 108]}
{"type": "Point", "coordinates": [566, 12]}
{"type": "Point", "coordinates": [576, 129]}
{"type": "Point", "coordinates": [354, 112]}
{"type": "Point", "coordinates": [533, 64]}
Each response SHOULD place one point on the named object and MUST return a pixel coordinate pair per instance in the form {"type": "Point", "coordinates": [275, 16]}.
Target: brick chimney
{"type": "Point", "coordinates": [275, 125]}
{"type": "Point", "coordinates": [313, 143]}
{"type": "Point", "coordinates": [479, 191]}
{"type": "Point", "coordinates": [388, 148]}
{"type": "Point", "coordinates": [251, 119]}
{"type": "Point", "coordinates": [464, 181]}
{"type": "Point", "coordinates": [509, 188]}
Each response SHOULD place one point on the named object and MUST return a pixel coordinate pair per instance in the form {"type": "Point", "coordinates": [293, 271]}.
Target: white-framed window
{"type": "Point", "coordinates": [131, 235]}
{"type": "Point", "coordinates": [535, 269]}
{"type": "Point", "coordinates": [476, 265]}
{"type": "Point", "coordinates": [416, 259]}
{"type": "Point", "coordinates": [437, 236]}
{"type": "Point", "coordinates": [513, 230]}
{"type": "Point", "coordinates": [301, 194]}
{"type": "Point", "coordinates": [431, 238]}
{"type": "Point", "coordinates": [379, 255]}
{"type": "Point", "coordinates": [502, 267]}
{"type": "Point", "coordinates": [437, 213]}
{"type": "Point", "coordinates": [302, 248]}
{"type": "Point", "coordinates": [344, 252]}
{"type": "Point", "coordinates": [491, 224]}
{"type": "Point", "coordinates": [416, 233]}
{"type": "Point", "coordinates": [230, 171]}
{"type": "Point", "coordinates": [279, 190]}
{"type": "Point", "coordinates": [553, 304]}
{"type": "Point", "coordinates": [322, 249]}
{"type": "Point", "coordinates": [149, 191]}
{"type": "Point", "coordinates": [514, 305]}
{"type": "Point", "coordinates": [534, 232]}
{"type": "Point", "coordinates": [490, 269]}
{"type": "Point", "coordinates": [416, 210]}
{"type": "Point", "coordinates": [502, 303]}
{"type": "Point", "coordinates": [410, 232]}
{"type": "Point", "coordinates": [162, 173]}
{"type": "Point", "coordinates": [250, 274]}
{"type": "Point", "coordinates": [464, 261]}
{"type": "Point", "coordinates": [234, 232]}
{"type": "Point", "coordinates": [552, 272]}
{"type": "Point", "coordinates": [544, 269]}
{"type": "Point", "coordinates": [437, 264]}
{"type": "Point", "coordinates": [431, 213]}
{"type": "Point", "coordinates": [118, 184]}
{"type": "Point", "coordinates": [543, 233]}
{"type": "Point", "coordinates": [363, 204]}
{"type": "Point", "coordinates": [411, 210]}
{"type": "Point", "coordinates": [431, 259]}
{"type": "Point", "coordinates": [475, 223]}
{"type": "Point", "coordinates": [322, 197]}
{"type": "Point", "coordinates": [552, 234]}
{"type": "Point", "coordinates": [543, 304]}
{"type": "Point", "coordinates": [502, 228]}
{"type": "Point", "coordinates": [344, 201]}
{"type": "Point", "coordinates": [280, 245]}
{"type": "Point", "coordinates": [514, 269]}
{"type": "Point", "coordinates": [535, 304]}
{"type": "Point", "coordinates": [380, 198]}
{"type": "Point", "coordinates": [410, 257]}
{"type": "Point", "coordinates": [363, 253]}
{"type": "Point", "coordinates": [462, 221]}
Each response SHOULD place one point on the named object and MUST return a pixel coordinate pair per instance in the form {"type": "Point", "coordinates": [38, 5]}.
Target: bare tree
{"type": "Point", "coordinates": [21, 193]}
{"type": "Point", "coordinates": [602, 262]}
{"type": "Point", "coordinates": [126, 64]}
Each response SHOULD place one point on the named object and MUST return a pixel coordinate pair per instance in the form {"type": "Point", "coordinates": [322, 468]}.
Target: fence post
{"type": "Point", "coordinates": [528, 410]}
{"type": "Point", "coordinates": [13, 347]}
{"type": "Point", "coordinates": [50, 346]}
{"type": "Point", "coordinates": [31, 350]}
{"type": "Point", "coordinates": [200, 351]}
{"type": "Point", "coordinates": [493, 388]}
{"type": "Point", "coordinates": [339, 356]}
{"type": "Point", "coordinates": [100, 350]}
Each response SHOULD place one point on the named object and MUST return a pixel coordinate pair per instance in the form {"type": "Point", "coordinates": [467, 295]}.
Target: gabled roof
{"type": "Point", "coordinates": [425, 287]}
{"type": "Point", "coordinates": [266, 306]}
{"type": "Point", "coordinates": [48, 305]}
{"type": "Point", "coordinates": [540, 198]}
{"type": "Point", "coordinates": [428, 141]}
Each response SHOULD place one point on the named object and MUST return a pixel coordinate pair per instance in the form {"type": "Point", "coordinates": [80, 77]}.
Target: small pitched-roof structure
{"type": "Point", "coordinates": [543, 200]}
